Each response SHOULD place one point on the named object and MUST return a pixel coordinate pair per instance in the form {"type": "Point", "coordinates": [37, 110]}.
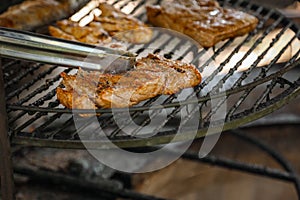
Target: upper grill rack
{"type": "Point", "coordinates": [36, 118]}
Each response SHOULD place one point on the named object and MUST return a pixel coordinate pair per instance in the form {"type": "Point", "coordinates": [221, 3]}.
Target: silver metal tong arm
{"type": "Point", "coordinates": [45, 49]}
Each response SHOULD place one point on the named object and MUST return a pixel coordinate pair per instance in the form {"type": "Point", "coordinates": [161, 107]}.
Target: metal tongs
{"type": "Point", "coordinates": [49, 50]}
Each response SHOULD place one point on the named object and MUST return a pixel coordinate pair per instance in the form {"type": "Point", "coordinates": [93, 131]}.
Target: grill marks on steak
{"type": "Point", "coordinates": [111, 23]}
{"type": "Point", "coordinates": [69, 30]}
{"type": "Point", "coordinates": [203, 20]}
{"type": "Point", "coordinates": [152, 76]}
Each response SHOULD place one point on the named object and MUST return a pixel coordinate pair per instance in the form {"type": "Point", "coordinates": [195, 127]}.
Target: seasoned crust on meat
{"type": "Point", "coordinates": [60, 34]}
{"type": "Point", "coordinates": [111, 23]}
{"type": "Point", "coordinates": [69, 30]}
{"type": "Point", "coordinates": [203, 20]}
{"type": "Point", "coordinates": [122, 26]}
{"type": "Point", "coordinates": [31, 14]}
{"type": "Point", "coordinates": [152, 76]}
{"type": "Point", "coordinates": [71, 99]}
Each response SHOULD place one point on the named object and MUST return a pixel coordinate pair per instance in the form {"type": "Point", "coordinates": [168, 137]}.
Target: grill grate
{"type": "Point", "coordinates": [36, 118]}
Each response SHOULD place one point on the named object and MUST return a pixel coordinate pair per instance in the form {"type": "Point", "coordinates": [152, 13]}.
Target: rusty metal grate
{"type": "Point", "coordinates": [253, 78]}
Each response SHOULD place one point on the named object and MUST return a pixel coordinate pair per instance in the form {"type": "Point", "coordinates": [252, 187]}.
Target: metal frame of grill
{"type": "Point", "coordinates": [41, 103]}
{"type": "Point", "coordinates": [272, 79]}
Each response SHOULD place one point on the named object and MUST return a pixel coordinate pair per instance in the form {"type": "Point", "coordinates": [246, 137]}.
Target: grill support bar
{"type": "Point", "coordinates": [274, 154]}
{"type": "Point", "coordinates": [7, 183]}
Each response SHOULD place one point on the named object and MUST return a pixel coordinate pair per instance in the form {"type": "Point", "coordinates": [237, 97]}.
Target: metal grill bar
{"type": "Point", "coordinates": [263, 72]}
{"type": "Point", "coordinates": [156, 50]}
{"type": "Point", "coordinates": [122, 4]}
{"type": "Point", "coordinates": [243, 167]}
{"type": "Point", "coordinates": [254, 65]}
{"type": "Point", "coordinates": [192, 49]}
{"type": "Point", "coordinates": [41, 100]}
{"type": "Point", "coordinates": [22, 75]}
{"type": "Point", "coordinates": [41, 89]}
{"type": "Point", "coordinates": [260, 99]}
{"type": "Point", "coordinates": [36, 103]}
{"type": "Point", "coordinates": [239, 102]}
{"type": "Point", "coordinates": [266, 95]}
{"type": "Point", "coordinates": [286, 66]}
{"type": "Point", "coordinates": [114, 2]}
{"type": "Point", "coordinates": [275, 155]}
{"type": "Point", "coordinates": [258, 41]}
{"type": "Point", "coordinates": [254, 169]}
{"type": "Point", "coordinates": [60, 130]}
{"type": "Point", "coordinates": [135, 115]}
{"type": "Point", "coordinates": [81, 129]}
{"type": "Point", "coordinates": [139, 5]}
{"type": "Point", "coordinates": [288, 93]}
{"type": "Point", "coordinates": [261, 145]}
{"type": "Point", "coordinates": [110, 120]}
{"type": "Point", "coordinates": [9, 64]}
{"type": "Point", "coordinates": [29, 122]}
{"type": "Point", "coordinates": [237, 49]}
{"type": "Point", "coordinates": [39, 130]}
{"type": "Point", "coordinates": [29, 84]}
{"type": "Point", "coordinates": [211, 59]}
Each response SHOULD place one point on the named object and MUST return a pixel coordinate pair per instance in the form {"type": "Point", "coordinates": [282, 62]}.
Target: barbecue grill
{"type": "Point", "coordinates": [251, 75]}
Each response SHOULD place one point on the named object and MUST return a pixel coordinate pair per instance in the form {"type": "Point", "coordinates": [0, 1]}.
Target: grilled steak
{"type": "Point", "coordinates": [203, 20]}
{"type": "Point", "coordinates": [152, 76]}
{"type": "Point", "coordinates": [122, 26]}
{"type": "Point", "coordinates": [111, 23]}
{"type": "Point", "coordinates": [69, 30]}
{"type": "Point", "coordinates": [31, 14]}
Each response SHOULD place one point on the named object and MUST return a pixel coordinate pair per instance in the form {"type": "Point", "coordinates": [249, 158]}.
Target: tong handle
{"type": "Point", "coordinates": [41, 48]}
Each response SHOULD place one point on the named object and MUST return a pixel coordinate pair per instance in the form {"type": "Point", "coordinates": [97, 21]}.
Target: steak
{"type": "Point", "coordinates": [69, 30]}
{"type": "Point", "coordinates": [112, 23]}
{"type": "Point", "coordinates": [152, 76]}
{"type": "Point", "coordinates": [203, 20]}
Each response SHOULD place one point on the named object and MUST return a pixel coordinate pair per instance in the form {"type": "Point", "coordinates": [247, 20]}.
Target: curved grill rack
{"type": "Point", "coordinates": [36, 118]}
